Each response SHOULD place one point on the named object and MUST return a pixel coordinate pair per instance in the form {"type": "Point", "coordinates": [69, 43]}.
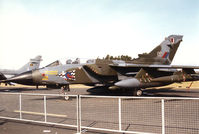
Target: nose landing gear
{"type": "Point", "coordinates": [64, 90]}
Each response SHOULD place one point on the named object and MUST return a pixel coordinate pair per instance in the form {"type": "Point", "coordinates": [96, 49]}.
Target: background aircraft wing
{"type": "Point", "coordinates": [133, 69]}
{"type": "Point", "coordinates": [2, 76]}
{"type": "Point", "coordinates": [139, 66]}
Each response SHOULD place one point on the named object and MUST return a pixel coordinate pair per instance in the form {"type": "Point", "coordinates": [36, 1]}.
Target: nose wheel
{"type": "Point", "coordinates": [64, 90]}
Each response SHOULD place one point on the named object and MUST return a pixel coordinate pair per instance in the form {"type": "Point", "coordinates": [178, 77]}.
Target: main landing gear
{"type": "Point", "coordinates": [137, 92]}
{"type": "Point", "coordinates": [64, 90]}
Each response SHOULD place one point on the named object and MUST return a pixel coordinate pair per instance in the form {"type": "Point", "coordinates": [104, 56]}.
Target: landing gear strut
{"type": "Point", "coordinates": [137, 92]}
{"type": "Point", "coordinates": [64, 90]}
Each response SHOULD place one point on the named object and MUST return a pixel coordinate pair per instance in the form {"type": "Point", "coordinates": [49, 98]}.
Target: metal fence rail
{"type": "Point", "coordinates": [120, 114]}
{"type": "Point", "coordinates": [164, 115]}
{"type": "Point", "coordinates": [105, 113]}
{"type": "Point", "coordinates": [39, 108]}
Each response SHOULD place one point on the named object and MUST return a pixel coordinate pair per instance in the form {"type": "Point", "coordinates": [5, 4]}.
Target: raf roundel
{"type": "Point", "coordinates": [172, 40]}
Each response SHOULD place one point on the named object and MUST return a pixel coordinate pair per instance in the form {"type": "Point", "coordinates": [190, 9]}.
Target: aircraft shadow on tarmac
{"type": "Point", "coordinates": [21, 89]}
{"type": "Point", "coordinates": [163, 92]}
{"type": "Point", "coordinates": [104, 91]}
{"type": "Point", "coordinates": [169, 92]}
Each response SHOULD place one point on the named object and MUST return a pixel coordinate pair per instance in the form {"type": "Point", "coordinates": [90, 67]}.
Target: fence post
{"type": "Point", "coordinates": [80, 114]}
{"type": "Point", "coordinates": [45, 108]}
{"type": "Point", "coordinates": [120, 116]}
{"type": "Point", "coordinates": [20, 113]}
{"type": "Point", "coordinates": [163, 118]}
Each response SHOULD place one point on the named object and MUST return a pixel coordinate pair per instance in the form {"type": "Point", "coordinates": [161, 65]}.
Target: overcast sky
{"type": "Point", "coordinates": [61, 29]}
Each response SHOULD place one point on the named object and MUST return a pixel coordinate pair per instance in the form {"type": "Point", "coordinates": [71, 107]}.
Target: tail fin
{"type": "Point", "coordinates": [31, 65]}
{"type": "Point", "coordinates": [162, 54]}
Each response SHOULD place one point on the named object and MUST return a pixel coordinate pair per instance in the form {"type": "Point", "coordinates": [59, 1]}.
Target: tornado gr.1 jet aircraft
{"type": "Point", "coordinates": [31, 65]}
{"type": "Point", "coordinates": [106, 72]}
{"type": "Point", "coordinates": [53, 75]}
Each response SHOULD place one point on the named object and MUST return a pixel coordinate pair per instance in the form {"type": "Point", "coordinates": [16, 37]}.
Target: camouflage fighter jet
{"type": "Point", "coordinates": [99, 71]}
{"type": "Point", "coordinates": [52, 75]}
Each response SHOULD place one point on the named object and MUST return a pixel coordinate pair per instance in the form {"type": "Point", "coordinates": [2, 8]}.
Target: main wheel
{"type": "Point", "coordinates": [137, 92]}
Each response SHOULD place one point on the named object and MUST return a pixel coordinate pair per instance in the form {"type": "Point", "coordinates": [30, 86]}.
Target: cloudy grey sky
{"type": "Point", "coordinates": [61, 29]}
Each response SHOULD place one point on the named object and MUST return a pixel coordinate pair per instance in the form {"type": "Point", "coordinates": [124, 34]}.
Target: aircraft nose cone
{"type": "Point", "coordinates": [128, 83]}
{"type": "Point", "coordinates": [23, 78]}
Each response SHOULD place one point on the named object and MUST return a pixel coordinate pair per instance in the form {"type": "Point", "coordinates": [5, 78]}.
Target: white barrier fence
{"type": "Point", "coordinates": [105, 113]}
{"type": "Point", "coordinates": [40, 108]}
{"type": "Point", "coordinates": [121, 114]}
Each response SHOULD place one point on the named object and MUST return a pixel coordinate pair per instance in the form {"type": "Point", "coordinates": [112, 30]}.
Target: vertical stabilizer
{"type": "Point", "coordinates": [31, 65]}
{"type": "Point", "coordinates": [163, 54]}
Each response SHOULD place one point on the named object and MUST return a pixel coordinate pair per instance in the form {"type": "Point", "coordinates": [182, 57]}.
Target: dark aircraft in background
{"type": "Point", "coordinates": [108, 72]}
{"type": "Point", "coordinates": [33, 64]}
